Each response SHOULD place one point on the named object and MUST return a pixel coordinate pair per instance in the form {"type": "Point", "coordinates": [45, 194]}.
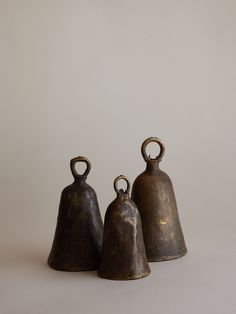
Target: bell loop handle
{"type": "Point", "coordinates": [73, 162]}
{"type": "Point", "coordinates": [121, 177]}
{"type": "Point", "coordinates": [153, 140]}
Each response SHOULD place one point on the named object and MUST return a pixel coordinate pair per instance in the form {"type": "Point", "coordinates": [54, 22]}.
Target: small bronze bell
{"type": "Point", "coordinates": [77, 243]}
{"type": "Point", "coordinates": [154, 196]}
{"type": "Point", "coordinates": [123, 254]}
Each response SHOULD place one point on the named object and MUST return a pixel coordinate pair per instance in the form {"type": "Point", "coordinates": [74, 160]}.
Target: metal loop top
{"type": "Point", "coordinates": [151, 140]}
{"type": "Point", "coordinates": [116, 183]}
{"type": "Point", "coordinates": [74, 171]}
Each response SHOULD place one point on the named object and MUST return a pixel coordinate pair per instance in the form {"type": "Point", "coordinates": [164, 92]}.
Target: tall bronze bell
{"type": "Point", "coordinates": [154, 196]}
{"type": "Point", "coordinates": [123, 254]}
{"type": "Point", "coordinates": [77, 243]}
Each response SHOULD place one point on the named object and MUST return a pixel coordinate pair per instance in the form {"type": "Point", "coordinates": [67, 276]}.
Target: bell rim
{"type": "Point", "coordinates": [72, 269]}
{"type": "Point", "coordinates": [166, 258]}
{"type": "Point", "coordinates": [125, 277]}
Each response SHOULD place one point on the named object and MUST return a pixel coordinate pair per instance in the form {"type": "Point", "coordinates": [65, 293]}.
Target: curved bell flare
{"type": "Point", "coordinates": [154, 196]}
{"type": "Point", "coordinates": [77, 242]}
{"type": "Point", "coordinates": [123, 254]}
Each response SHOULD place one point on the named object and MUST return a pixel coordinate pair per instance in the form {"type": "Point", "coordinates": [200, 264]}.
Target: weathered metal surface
{"type": "Point", "coordinates": [77, 243]}
{"type": "Point", "coordinates": [154, 196]}
{"type": "Point", "coordinates": [123, 255]}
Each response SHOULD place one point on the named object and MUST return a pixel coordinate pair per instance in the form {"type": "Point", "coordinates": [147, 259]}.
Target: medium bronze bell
{"type": "Point", "coordinates": [77, 243]}
{"type": "Point", "coordinates": [123, 253]}
{"type": "Point", "coordinates": [154, 196]}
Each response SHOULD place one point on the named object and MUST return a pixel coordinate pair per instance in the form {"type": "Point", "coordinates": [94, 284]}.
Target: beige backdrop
{"type": "Point", "coordinates": [96, 78]}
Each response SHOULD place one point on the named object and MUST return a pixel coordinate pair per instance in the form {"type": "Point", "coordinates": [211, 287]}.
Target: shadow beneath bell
{"type": "Point", "coordinates": [75, 274]}
{"type": "Point", "coordinates": [82, 274]}
{"type": "Point", "coordinates": [41, 259]}
{"type": "Point", "coordinates": [37, 259]}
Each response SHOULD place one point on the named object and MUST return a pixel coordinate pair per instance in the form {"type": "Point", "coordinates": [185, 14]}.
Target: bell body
{"type": "Point", "coordinates": [123, 254]}
{"type": "Point", "coordinates": [154, 196]}
{"type": "Point", "coordinates": [78, 237]}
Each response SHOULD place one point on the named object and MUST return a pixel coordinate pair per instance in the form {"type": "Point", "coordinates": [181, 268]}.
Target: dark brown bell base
{"type": "Point", "coordinates": [71, 269]}
{"type": "Point", "coordinates": [165, 258]}
{"type": "Point", "coordinates": [128, 277]}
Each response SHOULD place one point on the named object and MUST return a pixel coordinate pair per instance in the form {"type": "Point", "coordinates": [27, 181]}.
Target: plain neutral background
{"type": "Point", "coordinates": [96, 78]}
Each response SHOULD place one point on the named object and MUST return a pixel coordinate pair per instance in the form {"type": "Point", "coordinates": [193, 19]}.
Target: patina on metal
{"type": "Point", "coordinates": [123, 254]}
{"type": "Point", "coordinates": [154, 196]}
{"type": "Point", "coordinates": [77, 242]}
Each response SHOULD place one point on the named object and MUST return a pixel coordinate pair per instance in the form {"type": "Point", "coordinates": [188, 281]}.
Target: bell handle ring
{"type": "Point", "coordinates": [127, 191]}
{"type": "Point", "coordinates": [73, 161]}
{"type": "Point", "coordinates": [153, 140]}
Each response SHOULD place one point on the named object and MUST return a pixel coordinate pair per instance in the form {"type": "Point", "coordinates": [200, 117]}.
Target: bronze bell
{"type": "Point", "coordinates": [154, 196]}
{"type": "Point", "coordinates": [77, 243]}
{"type": "Point", "coordinates": [123, 253]}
